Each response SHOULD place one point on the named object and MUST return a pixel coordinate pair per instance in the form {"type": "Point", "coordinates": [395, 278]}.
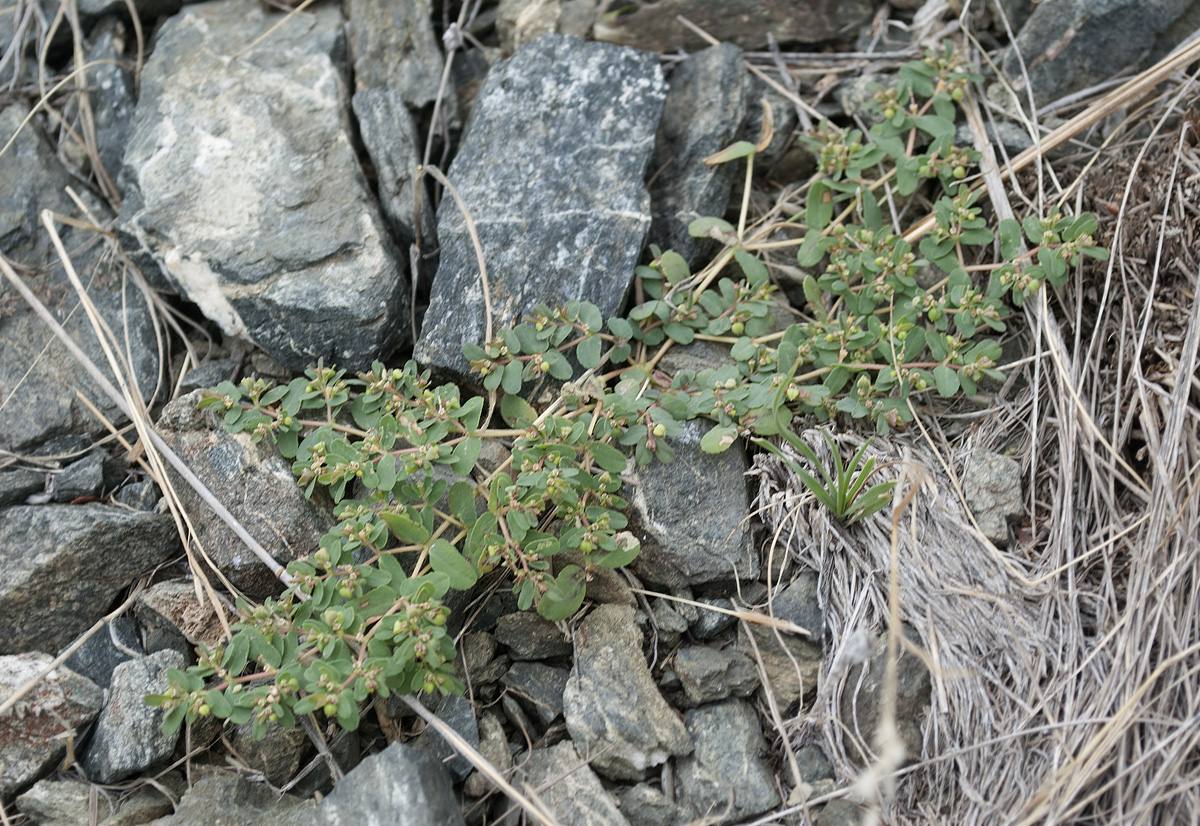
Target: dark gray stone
{"type": "Point", "coordinates": [725, 780]}
{"type": "Point", "coordinates": [613, 710]}
{"type": "Point", "coordinates": [529, 637]}
{"type": "Point", "coordinates": [80, 479]}
{"type": "Point", "coordinates": [129, 736]}
{"type": "Point", "coordinates": [38, 377]}
{"type": "Point", "coordinates": [781, 652]}
{"type": "Point", "coordinates": [455, 711]}
{"type": "Point", "coordinates": [142, 496]}
{"type": "Point", "coordinates": [745, 23]}
{"type": "Point", "coordinates": [668, 622]}
{"type": "Point", "coordinates": [65, 564]}
{"type": "Point", "coordinates": [207, 375]}
{"type": "Point", "coordinates": [1013, 138]}
{"type": "Point", "coordinates": [102, 652]}
{"type": "Point", "coordinates": [517, 716]}
{"type": "Point", "coordinates": [390, 138]}
{"type": "Point", "coordinates": [813, 764]}
{"type": "Point", "coordinates": [400, 786]}
{"type": "Point", "coordinates": [540, 686]}
{"type": "Point", "coordinates": [710, 674]}
{"type": "Point", "coordinates": [570, 789]}
{"type": "Point", "coordinates": [229, 799]}
{"type": "Point", "coordinates": [257, 486]}
{"type": "Point", "coordinates": [1068, 45]}
{"type": "Point", "coordinates": [277, 754]}
{"type": "Point", "coordinates": [243, 189]}
{"type": "Point", "coordinates": [31, 732]}
{"type": "Point", "coordinates": [113, 96]}
{"type": "Point", "coordinates": [992, 485]}
{"type": "Point", "coordinates": [683, 544]}
{"type": "Point", "coordinates": [644, 805]}
{"type": "Point", "coordinates": [705, 107]}
{"type": "Point", "coordinates": [551, 170]}
{"type": "Point", "coordinates": [710, 624]}
{"type": "Point", "coordinates": [18, 485]}
{"type": "Point", "coordinates": [147, 9]}
{"type": "Point", "coordinates": [861, 704]}
{"type": "Point", "coordinates": [394, 47]}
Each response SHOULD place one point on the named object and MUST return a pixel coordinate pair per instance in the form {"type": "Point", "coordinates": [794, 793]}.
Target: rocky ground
{"type": "Point", "coordinates": [261, 168]}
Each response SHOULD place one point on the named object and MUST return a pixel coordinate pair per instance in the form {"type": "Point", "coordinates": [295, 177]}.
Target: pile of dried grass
{"type": "Point", "coordinates": [1066, 669]}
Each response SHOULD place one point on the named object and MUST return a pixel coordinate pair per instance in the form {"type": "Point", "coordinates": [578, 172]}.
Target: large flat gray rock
{"type": "Point", "coordinates": [64, 565]}
{"type": "Point", "coordinates": [551, 171]}
{"type": "Point", "coordinates": [244, 191]}
{"type": "Point", "coordinates": [725, 780]}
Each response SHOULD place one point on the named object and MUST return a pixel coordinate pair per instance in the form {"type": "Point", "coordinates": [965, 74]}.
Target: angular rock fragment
{"type": "Point", "coordinates": [613, 709]}
{"type": "Point", "coordinates": [31, 740]}
{"type": "Point", "coordinates": [704, 111]}
{"type": "Point", "coordinates": [65, 564]}
{"type": "Point", "coordinates": [681, 543]}
{"type": "Point", "coordinates": [710, 674]}
{"type": "Point", "coordinates": [394, 47]}
{"type": "Point", "coordinates": [551, 172]}
{"type": "Point", "coordinates": [129, 734]}
{"type": "Point", "coordinates": [400, 786]}
{"type": "Point", "coordinates": [244, 191]}
{"type": "Point", "coordinates": [570, 789]}
{"type": "Point", "coordinates": [725, 780]}
{"type": "Point", "coordinates": [257, 486]}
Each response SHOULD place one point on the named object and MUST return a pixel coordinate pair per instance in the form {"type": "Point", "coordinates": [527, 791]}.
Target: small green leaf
{"type": "Point", "coordinates": [514, 408]}
{"type": "Point", "coordinates": [719, 438]}
{"type": "Point", "coordinates": [405, 529]}
{"type": "Point", "coordinates": [607, 457]}
{"type": "Point", "coordinates": [680, 333]}
{"type": "Point", "coordinates": [730, 153]}
{"type": "Point", "coordinates": [946, 379]}
{"type": "Point", "coordinates": [1010, 239]}
{"type": "Point", "coordinates": [462, 502]}
{"type": "Point", "coordinates": [511, 381]}
{"type": "Point", "coordinates": [572, 584]}
{"type": "Point", "coordinates": [754, 269]}
{"type": "Point", "coordinates": [347, 711]}
{"type": "Point", "coordinates": [445, 559]}
{"type": "Point", "coordinates": [704, 227]}
{"type": "Point", "coordinates": [588, 352]}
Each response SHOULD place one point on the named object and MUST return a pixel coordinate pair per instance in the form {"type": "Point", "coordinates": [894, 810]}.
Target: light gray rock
{"type": "Point", "coordinates": [57, 803]}
{"type": "Point", "coordinates": [710, 674]}
{"type": "Point", "coordinates": [257, 486]}
{"type": "Point", "coordinates": [400, 786]}
{"type": "Point", "coordinates": [494, 747]}
{"type": "Point", "coordinates": [390, 138]}
{"type": "Point", "coordinates": [613, 709]}
{"type": "Point", "coordinates": [840, 813]}
{"type": "Point", "coordinates": [668, 623]}
{"type": "Point", "coordinates": [540, 686]}
{"type": "Point", "coordinates": [227, 799]}
{"type": "Point", "coordinates": [992, 485]}
{"type": "Point", "coordinates": [65, 564]}
{"type": "Point", "coordinates": [551, 170]}
{"type": "Point", "coordinates": [243, 189]}
{"type": "Point", "coordinates": [394, 47]}
{"type": "Point", "coordinates": [576, 799]}
{"type": "Point", "coordinates": [725, 780]}
{"type": "Point", "coordinates": [746, 23]}
{"type": "Point", "coordinates": [30, 742]}
{"type": "Point", "coordinates": [709, 624]}
{"type": "Point", "coordinates": [105, 650]}
{"type": "Point", "coordinates": [683, 544]}
{"type": "Point", "coordinates": [705, 106]}
{"type": "Point", "coordinates": [174, 603]}
{"type": "Point", "coordinates": [113, 96]}
{"type": "Point", "coordinates": [129, 736]}
{"type": "Point", "coordinates": [1068, 45]}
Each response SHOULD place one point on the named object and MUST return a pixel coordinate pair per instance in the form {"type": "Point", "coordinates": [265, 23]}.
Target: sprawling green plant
{"type": "Point", "coordinates": [420, 513]}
